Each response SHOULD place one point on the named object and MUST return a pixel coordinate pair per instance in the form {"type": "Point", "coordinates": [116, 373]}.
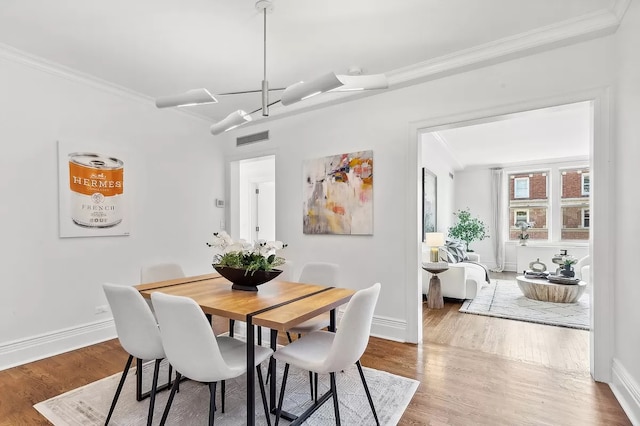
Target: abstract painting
{"type": "Point", "coordinates": [338, 194]}
{"type": "Point", "coordinates": [429, 202]}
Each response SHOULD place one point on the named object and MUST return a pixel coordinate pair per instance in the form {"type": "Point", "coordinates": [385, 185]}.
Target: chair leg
{"type": "Point", "coordinates": [115, 397]}
{"type": "Point", "coordinates": [366, 389]}
{"type": "Point", "coordinates": [289, 337]}
{"type": "Point", "coordinates": [334, 391]}
{"type": "Point", "coordinates": [284, 384]}
{"type": "Point", "coordinates": [311, 384]}
{"type": "Point", "coordinates": [165, 413]}
{"type": "Point", "coordinates": [154, 387]}
{"type": "Point", "coordinates": [336, 409]}
{"type": "Point", "coordinates": [315, 382]}
{"type": "Point", "coordinates": [222, 394]}
{"type": "Point", "coordinates": [264, 395]}
{"type": "Point", "coordinates": [212, 403]}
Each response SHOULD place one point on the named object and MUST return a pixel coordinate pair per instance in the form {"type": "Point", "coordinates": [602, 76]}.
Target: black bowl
{"type": "Point", "coordinates": [247, 281]}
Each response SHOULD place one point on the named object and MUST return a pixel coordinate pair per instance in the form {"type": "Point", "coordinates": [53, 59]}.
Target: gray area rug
{"type": "Point", "coordinates": [503, 299]}
{"type": "Point", "coordinates": [89, 405]}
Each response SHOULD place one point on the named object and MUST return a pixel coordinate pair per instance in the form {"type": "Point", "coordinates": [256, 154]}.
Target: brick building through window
{"type": "Point", "coordinates": [529, 202]}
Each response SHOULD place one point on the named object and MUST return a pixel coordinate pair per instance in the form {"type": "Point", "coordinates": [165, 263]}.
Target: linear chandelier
{"type": "Point", "coordinates": [296, 92]}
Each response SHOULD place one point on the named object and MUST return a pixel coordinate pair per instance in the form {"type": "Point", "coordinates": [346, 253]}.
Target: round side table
{"type": "Point", "coordinates": [434, 298]}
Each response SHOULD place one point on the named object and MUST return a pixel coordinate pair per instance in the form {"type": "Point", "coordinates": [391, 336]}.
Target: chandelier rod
{"type": "Point", "coordinates": [265, 83]}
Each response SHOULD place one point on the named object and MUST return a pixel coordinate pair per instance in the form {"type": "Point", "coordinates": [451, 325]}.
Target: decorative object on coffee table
{"type": "Point", "coordinates": [434, 297]}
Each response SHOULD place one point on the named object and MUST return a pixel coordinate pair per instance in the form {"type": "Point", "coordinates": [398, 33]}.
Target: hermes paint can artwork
{"type": "Point", "coordinates": [96, 183]}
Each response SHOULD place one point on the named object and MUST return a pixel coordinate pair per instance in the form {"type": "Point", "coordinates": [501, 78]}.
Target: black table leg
{"type": "Point", "coordinates": [251, 392]}
{"type": "Point", "coordinates": [332, 321]}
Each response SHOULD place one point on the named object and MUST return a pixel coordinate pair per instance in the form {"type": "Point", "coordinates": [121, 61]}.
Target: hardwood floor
{"type": "Point", "coordinates": [472, 370]}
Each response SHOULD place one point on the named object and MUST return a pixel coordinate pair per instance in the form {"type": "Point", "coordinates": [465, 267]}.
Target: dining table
{"type": "Point", "coordinates": [277, 305]}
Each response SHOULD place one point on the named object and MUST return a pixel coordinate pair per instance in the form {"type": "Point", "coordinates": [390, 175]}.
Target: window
{"type": "Point", "coordinates": [528, 202]}
{"type": "Point", "coordinates": [585, 218]}
{"type": "Point", "coordinates": [574, 203]}
{"type": "Point", "coordinates": [521, 187]}
{"type": "Point", "coordinates": [520, 216]}
{"type": "Point", "coordinates": [585, 184]}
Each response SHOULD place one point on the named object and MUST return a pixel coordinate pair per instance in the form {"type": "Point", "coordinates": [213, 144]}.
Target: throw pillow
{"type": "Point", "coordinates": [455, 251]}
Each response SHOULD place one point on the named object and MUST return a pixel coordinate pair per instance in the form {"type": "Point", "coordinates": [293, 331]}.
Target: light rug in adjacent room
{"type": "Point", "coordinates": [89, 404]}
{"type": "Point", "coordinates": [503, 298]}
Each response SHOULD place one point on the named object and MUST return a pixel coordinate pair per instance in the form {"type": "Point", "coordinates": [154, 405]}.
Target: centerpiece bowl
{"type": "Point", "coordinates": [246, 280]}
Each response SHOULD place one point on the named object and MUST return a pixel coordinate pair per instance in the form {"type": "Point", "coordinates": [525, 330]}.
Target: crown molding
{"type": "Point", "coordinates": [596, 24]}
{"type": "Point", "coordinates": [14, 55]}
{"type": "Point", "coordinates": [585, 27]}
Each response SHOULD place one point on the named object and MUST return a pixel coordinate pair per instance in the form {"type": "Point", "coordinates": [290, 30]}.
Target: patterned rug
{"type": "Point", "coordinates": [89, 405]}
{"type": "Point", "coordinates": [503, 298]}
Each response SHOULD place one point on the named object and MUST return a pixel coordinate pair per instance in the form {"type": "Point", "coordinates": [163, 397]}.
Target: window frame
{"type": "Point", "coordinates": [515, 187]}
{"type": "Point", "coordinates": [585, 214]}
{"type": "Point", "coordinates": [582, 179]}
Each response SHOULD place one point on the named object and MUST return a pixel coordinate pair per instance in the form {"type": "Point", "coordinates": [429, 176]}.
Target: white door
{"type": "Point", "coordinates": [265, 211]}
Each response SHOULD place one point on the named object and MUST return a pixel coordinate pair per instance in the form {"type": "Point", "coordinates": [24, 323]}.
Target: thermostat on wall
{"type": "Point", "coordinates": [219, 203]}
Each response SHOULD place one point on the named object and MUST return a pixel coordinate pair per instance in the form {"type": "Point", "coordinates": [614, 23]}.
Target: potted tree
{"type": "Point", "coordinates": [468, 228]}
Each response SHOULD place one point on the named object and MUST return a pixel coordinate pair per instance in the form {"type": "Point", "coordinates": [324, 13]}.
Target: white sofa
{"type": "Point", "coordinates": [461, 281]}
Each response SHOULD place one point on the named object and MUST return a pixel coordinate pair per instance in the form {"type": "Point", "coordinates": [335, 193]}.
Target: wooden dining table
{"type": "Point", "coordinates": [277, 305]}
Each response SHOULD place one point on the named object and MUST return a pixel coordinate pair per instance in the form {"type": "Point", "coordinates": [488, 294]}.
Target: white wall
{"type": "Point", "coordinates": [626, 365]}
{"type": "Point", "coordinates": [382, 123]}
{"type": "Point", "coordinates": [51, 286]}
{"type": "Point", "coordinates": [438, 160]}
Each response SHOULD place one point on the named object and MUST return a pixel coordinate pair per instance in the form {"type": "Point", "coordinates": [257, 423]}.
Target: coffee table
{"type": "Point", "coordinates": [541, 289]}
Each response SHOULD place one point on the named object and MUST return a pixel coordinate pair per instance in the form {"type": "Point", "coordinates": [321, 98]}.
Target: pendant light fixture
{"type": "Point", "coordinates": [294, 93]}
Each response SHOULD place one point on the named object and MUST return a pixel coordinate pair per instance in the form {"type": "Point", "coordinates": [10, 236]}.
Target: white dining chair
{"type": "Point", "coordinates": [160, 272]}
{"type": "Point", "coordinates": [325, 352]}
{"type": "Point", "coordinates": [196, 353]}
{"type": "Point", "coordinates": [138, 334]}
{"type": "Point", "coordinates": [315, 273]}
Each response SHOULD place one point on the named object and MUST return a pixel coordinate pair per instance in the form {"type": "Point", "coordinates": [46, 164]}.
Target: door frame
{"type": "Point", "coordinates": [601, 247]}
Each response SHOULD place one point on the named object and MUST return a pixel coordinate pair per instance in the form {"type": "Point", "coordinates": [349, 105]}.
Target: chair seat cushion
{"type": "Point", "coordinates": [316, 323]}
{"type": "Point", "coordinates": [234, 352]}
{"type": "Point", "coordinates": [309, 352]}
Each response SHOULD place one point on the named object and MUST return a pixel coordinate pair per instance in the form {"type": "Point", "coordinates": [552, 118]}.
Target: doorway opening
{"type": "Point", "coordinates": [508, 144]}
{"type": "Point", "coordinates": [256, 199]}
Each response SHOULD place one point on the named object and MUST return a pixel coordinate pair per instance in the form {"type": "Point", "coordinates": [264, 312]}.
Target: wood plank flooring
{"type": "Point", "coordinates": [473, 370]}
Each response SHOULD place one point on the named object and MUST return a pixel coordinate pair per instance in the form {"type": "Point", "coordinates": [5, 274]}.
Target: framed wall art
{"type": "Point", "coordinates": [338, 194]}
{"type": "Point", "coordinates": [429, 202]}
{"type": "Point", "coordinates": [92, 190]}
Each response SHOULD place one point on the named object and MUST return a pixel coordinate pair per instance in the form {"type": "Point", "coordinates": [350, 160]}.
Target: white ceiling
{"type": "Point", "coordinates": [550, 133]}
{"type": "Point", "coordinates": [163, 47]}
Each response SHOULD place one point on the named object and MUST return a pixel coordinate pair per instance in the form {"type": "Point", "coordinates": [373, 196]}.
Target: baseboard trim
{"type": "Point", "coordinates": [626, 391]}
{"type": "Point", "coordinates": [43, 346]}
{"type": "Point", "coordinates": [389, 328]}
{"type": "Point", "coordinates": [382, 327]}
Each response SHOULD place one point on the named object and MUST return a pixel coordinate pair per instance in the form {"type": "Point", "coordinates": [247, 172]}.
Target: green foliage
{"type": "Point", "coordinates": [468, 228]}
{"type": "Point", "coordinates": [251, 261]}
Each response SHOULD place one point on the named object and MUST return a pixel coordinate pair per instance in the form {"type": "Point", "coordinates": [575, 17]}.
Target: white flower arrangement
{"type": "Point", "coordinates": [240, 254]}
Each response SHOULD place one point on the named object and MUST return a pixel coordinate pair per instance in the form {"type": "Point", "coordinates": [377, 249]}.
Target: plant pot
{"type": "Point", "coordinates": [567, 271]}
{"type": "Point", "coordinates": [246, 281]}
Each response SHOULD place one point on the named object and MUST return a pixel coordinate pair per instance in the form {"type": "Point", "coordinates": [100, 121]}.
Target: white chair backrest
{"type": "Point", "coordinates": [352, 336]}
{"type": "Point", "coordinates": [160, 272]}
{"type": "Point", "coordinates": [135, 324]}
{"type": "Point", "coordinates": [188, 339]}
{"type": "Point", "coordinates": [320, 273]}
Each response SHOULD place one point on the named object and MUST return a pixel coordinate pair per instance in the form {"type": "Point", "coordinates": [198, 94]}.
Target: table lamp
{"type": "Point", "coordinates": [434, 240]}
